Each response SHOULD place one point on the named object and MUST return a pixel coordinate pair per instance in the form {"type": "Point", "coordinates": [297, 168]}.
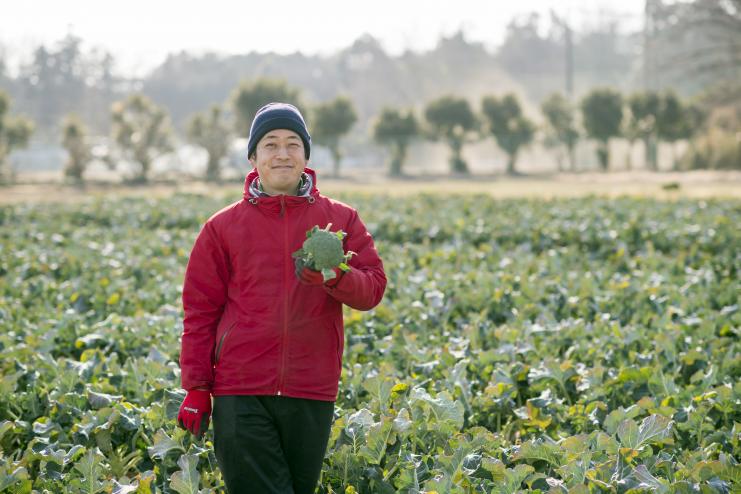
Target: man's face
{"type": "Point", "coordinates": [280, 160]}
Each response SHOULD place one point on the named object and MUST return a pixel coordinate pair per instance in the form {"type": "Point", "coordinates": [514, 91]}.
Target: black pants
{"type": "Point", "coordinates": [270, 444]}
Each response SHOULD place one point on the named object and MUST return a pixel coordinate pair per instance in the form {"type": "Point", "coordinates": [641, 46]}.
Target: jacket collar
{"type": "Point", "coordinates": [252, 189]}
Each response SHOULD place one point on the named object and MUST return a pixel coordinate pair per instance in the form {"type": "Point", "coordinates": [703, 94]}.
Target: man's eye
{"type": "Point", "coordinates": [270, 145]}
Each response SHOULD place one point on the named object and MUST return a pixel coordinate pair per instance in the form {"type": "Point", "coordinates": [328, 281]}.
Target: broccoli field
{"type": "Point", "coordinates": [573, 345]}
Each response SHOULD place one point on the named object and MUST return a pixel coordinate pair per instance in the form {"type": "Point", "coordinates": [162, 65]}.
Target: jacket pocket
{"type": "Point", "coordinates": [220, 347]}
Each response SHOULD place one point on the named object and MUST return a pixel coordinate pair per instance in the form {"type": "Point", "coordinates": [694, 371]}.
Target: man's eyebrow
{"type": "Point", "coordinates": [273, 136]}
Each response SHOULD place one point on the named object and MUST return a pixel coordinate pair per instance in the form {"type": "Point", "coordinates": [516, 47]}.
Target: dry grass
{"type": "Point", "coordinates": [696, 184]}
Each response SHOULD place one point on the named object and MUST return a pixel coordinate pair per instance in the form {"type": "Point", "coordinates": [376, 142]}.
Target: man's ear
{"type": "Point", "coordinates": [251, 159]}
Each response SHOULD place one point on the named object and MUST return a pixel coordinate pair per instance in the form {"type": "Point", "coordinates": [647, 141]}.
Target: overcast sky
{"type": "Point", "coordinates": [140, 33]}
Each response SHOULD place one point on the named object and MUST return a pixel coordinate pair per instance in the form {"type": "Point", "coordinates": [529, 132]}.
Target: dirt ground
{"type": "Point", "coordinates": [663, 185]}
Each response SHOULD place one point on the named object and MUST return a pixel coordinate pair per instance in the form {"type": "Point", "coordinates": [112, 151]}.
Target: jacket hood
{"type": "Point", "coordinates": [252, 175]}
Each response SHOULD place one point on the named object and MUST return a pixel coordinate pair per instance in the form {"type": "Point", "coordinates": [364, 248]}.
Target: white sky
{"type": "Point", "coordinates": [140, 33]}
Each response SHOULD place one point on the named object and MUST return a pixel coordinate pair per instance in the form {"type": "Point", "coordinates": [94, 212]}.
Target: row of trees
{"type": "Point", "coordinates": [687, 45]}
{"type": "Point", "coordinates": [329, 121]}
{"type": "Point", "coordinates": [605, 114]}
{"type": "Point", "coordinates": [69, 75]}
{"type": "Point", "coordinates": [141, 130]}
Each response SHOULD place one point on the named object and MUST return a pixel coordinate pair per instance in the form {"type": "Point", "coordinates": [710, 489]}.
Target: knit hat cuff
{"type": "Point", "coordinates": [279, 122]}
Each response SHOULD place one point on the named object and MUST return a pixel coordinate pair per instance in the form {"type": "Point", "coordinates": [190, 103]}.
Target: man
{"type": "Point", "coordinates": [262, 335]}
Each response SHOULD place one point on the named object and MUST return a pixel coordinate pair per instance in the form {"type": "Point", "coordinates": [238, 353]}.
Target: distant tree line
{"type": "Point", "coordinates": [141, 131]}
{"type": "Point", "coordinates": [68, 77]}
{"type": "Point", "coordinates": [693, 46]}
{"type": "Point", "coordinates": [605, 114]}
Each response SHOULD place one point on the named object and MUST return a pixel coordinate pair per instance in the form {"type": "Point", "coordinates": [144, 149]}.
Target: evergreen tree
{"type": "Point", "coordinates": [602, 111]}
{"type": "Point", "coordinates": [560, 118]}
{"type": "Point", "coordinates": [142, 131]}
{"type": "Point", "coordinates": [451, 120]}
{"type": "Point", "coordinates": [331, 121]}
{"type": "Point", "coordinates": [249, 97]}
{"type": "Point", "coordinates": [75, 141]}
{"type": "Point", "coordinates": [396, 129]}
{"type": "Point", "coordinates": [506, 122]}
{"type": "Point", "coordinates": [209, 131]}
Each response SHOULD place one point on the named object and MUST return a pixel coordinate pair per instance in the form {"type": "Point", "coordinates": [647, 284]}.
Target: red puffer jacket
{"type": "Point", "coordinates": [250, 327]}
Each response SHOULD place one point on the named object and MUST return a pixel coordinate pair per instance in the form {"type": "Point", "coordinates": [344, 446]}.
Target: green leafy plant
{"type": "Point", "coordinates": [574, 345]}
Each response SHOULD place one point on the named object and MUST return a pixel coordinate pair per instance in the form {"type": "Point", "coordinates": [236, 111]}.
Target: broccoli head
{"type": "Point", "coordinates": [322, 251]}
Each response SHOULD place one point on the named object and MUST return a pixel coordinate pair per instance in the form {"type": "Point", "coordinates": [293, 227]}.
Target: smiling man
{"type": "Point", "coordinates": [263, 336]}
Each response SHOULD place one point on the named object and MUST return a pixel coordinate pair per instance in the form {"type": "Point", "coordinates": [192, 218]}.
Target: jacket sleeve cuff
{"type": "Point", "coordinates": [200, 388]}
{"type": "Point", "coordinates": [354, 290]}
{"type": "Point", "coordinates": [203, 386]}
{"type": "Point", "coordinates": [339, 274]}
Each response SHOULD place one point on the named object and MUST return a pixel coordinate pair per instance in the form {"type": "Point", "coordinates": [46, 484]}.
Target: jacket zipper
{"type": "Point", "coordinates": [285, 297]}
{"type": "Point", "coordinates": [219, 348]}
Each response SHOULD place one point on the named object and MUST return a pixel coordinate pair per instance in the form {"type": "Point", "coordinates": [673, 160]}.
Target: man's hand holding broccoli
{"type": "Point", "coordinates": [321, 259]}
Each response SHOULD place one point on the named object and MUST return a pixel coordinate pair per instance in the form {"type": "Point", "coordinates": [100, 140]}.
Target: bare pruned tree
{"type": "Point", "coordinates": [699, 40]}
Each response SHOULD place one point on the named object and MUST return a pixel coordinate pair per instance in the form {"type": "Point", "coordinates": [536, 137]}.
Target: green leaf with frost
{"type": "Point", "coordinates": [459, 378]}
{"type": "Point", "coordinates": [5, 427]}
{"type": "Point", "coordinates": [357, 424]}
{"type": "Point", "coordinates": [615, 417]}
{"type": "Point", "coordinates": [376, 441]}
{"type": "Point", "coordinates": [127, 488]}
{"type": "Point", "coordinates": [606, 443]}
{"type": "Point", "coordinates": [495, 467]}
{"type": "Point", "coordinates": [402, 423]}
{"type": "Point", "coordinates": [464, 461]}
{"type": "Point", "coordinates": [574, 471]}
{"type": "Point", "coordinates": [408, 479]}
{"type": "Point", "coordinates": [187, 479]}
{"type": "Point", "coordinates": [444, 409]}
{"type": "Point", "coordinates": [574, 445]}
{"type": "Point", "coordinates": [379, 387]}
{"type": "Point", "coordinates": [731, 473]}
{"type": "Point", "coordinates": [101, 400]}
{"type": "Point", "coordinates": [648, 481]}
{"type": "Point", "coordinates": [508, 480]}
{"type": "Point", "coordinates": [74, 453]}
{"type": "Point", "coordinates": [91, 469]}
{"type": "Point", "coordinates": [11, 474]}
{"type": "Point", "coordinates": [553, 370]}
{"type": "Point", "coordinates": [146, 480]}
{"type": "Point", "coordinates": [541, 449]}
{"type": "Point", "coordinates": [652, 428]}
{"type": "Point", "coordinates": [163, 444]}
{"type": "Point", "coordinates": [173, 400]}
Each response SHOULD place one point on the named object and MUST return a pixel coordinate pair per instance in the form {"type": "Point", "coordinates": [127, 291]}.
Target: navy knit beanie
{"type": "Point", "coordinates": [278, 116]}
